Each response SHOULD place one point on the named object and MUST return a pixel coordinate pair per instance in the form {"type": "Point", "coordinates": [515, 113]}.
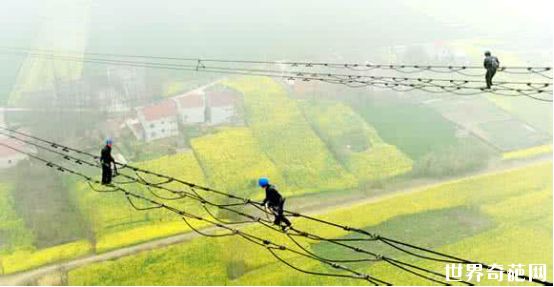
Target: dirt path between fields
{"type": "Point", "coordinates": [311, 208]}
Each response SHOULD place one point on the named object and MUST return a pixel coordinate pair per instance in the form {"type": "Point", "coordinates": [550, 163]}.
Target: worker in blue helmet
{"type": "Point", "coordinates": [275, 202]}
{"type": "Point", "coordinates": [107, 160]}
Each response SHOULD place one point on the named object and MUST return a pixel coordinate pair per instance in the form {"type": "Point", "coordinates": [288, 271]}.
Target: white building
{"type": "Point", "coordinates": [221, 106]}
{"type": "Point", "coordinates": [191, 107]}
{"type": "Point", "coordinates": [159, 120]}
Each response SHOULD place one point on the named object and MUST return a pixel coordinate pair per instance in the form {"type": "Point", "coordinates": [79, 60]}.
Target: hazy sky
{"type": "Point", "coordinates": [288, 28]}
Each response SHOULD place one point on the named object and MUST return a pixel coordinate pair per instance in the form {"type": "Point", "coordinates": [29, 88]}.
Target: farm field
{"type": "Point", "coordinates": [372, 116]}
{"type": "Point", "coordinates": [13, 233]}
{"type": "Point", "coordinates": [287, 139]}
{"type": "Point", "coordinates": [25, 239]}
{"type": "Point", "coordinates": [497, 133]}
{"type": "Point", "coordinates": [437, 146]}
{"type": "Point", "coordinates": [17, 248]}
{"type": "Point", "coordinates": [28, 258]}
{"type": "Point", "coordinates": [233, 161]}
{"type": "Point", "coordinates": [535, 113]}
{"type": "Point", "coordinates": [461, 215]}
{"type": "Point", "coordinates": [414, 129]}
{"type": "Point", "coordinates": [490, 123]}
{"type": "Point", "coordinates": [529, 152]}
{"type": "Point", "coordinates": [354, 142]}
{"type": "Point", "coordinates": [115, 223]}
{"type": "Point", "coordinates": [330, 121]}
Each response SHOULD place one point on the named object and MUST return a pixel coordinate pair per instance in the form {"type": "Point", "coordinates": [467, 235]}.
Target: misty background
{"type": "Point", "coordinates": [434, 137]}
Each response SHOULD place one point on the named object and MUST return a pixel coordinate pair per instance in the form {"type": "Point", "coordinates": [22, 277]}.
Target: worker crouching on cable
{"type": "Point", "coordinates": [275, 202]}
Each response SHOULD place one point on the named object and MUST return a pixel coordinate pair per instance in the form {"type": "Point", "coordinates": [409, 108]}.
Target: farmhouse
{"type": "Point", "coordinates": [159, 120]}
{"type": "Point", "coordinates": [221, 105]}
{"type": "Point", "coordinates": [191, 107]}
{"type": "Point", "coordinates": [213, 106]}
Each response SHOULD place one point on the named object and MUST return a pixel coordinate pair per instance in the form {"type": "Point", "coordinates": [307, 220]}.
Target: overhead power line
{"type": "Point", "coordinates": [536, 85]}
{"type": "Point", "coordinates": [403, 68]}
{"type": "Point", "coordinates": [402, 84]}
{"type": "Point", "coordinates": [267, 223]}
{"type": "Point", "coordinates": [406, 247]}
{"type": "Point", "coordinates": [272, 247]}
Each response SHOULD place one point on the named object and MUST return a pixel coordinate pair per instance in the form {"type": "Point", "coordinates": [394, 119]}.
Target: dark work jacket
{"type": "Point", "coordinates": [106, 156]}
{"type": "Point", "coordinates": [487, 63]}
{"type": "Point", "coordinates": [272, 196]}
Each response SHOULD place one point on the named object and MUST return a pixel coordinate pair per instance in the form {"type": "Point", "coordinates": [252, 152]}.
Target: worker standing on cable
{"type": "Point", "coordinates": [106, 160]}
{"type": "Point", "coordinates": [491, 63]}
{"type": "Point", "coordinates": [275, 202]}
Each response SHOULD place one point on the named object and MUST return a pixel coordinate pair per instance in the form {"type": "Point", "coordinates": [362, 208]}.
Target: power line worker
{"type": "Point", "coordinates": [275, 202]}
{"type": "Point", "coordinates": [490, 63]}
{"type": "Point", "coordinates": [106, 160]}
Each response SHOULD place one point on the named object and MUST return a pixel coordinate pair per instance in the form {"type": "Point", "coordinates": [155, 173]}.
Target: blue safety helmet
{"type": "Point", "coordinates": [109, 141]}
{"type": "Point", "coordinates": [263, 182]}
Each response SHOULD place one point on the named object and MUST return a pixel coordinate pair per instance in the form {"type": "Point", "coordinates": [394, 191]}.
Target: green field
{"type": "Point", "coordinates": [233, 161]}
{"type": "Point", "coordinates": [288, 140]}
{"type": "Point", "coordinates": [32, 234]}
{"type": "Point", "coordinates": [502, 218]}
{"type": "Point", "coordinates": [529, 152]}
{"type": "Point", "coordinates": [537, 114]}
{"type": "Point", "coordinates": [356, 153]}
{"type": "Point", "coordinates": [13, 232]}
{"type": "Point", "coordinates": [115, 223]}
{"type": "Point", "coordinates": [415, 129]}
{"type": "Point", "coordinates": [355, 143]}
{"type": "Point", "coordinates": [429, 139]}
{"type": "Point", "coordinates": [29, 258]}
